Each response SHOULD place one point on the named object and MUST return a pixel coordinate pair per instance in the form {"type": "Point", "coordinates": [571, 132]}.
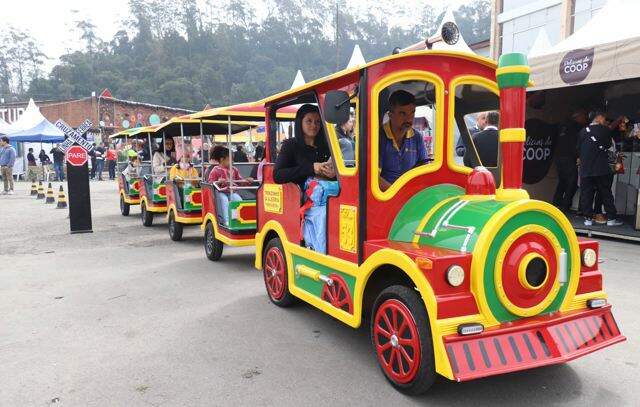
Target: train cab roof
{"type": "Point", "coordinates": [296, 95]}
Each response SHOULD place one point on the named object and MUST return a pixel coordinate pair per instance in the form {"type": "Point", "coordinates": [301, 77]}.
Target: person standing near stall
{"type": "Point", "coordinates": [58, 162]}
{"type": "Point", "coordinates": [566, 160]}
{"type": "Point", "coordinates": [7, 159]}
{"type": "Point", "coordinates": [593, 142]}
{"type": "Point", "coordinates": [112, 158]}
{"type": "Point", "coordinates": [99, 153]}
{"type": "Point", "coordinates": [32, 166]}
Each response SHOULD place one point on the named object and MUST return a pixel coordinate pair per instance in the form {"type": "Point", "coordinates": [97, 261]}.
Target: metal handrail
{"type": "Point", "coordinates": [230, 188]}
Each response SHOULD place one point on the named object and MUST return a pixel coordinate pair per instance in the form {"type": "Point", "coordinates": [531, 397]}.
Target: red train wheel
{"type": "Point", "coordinates": [396, 341]}
{"type": "Point", "coordinates": [338, 294]}
{"type": "Point", "coordinates": [274, 273]}
{"type": "Point", "coordinates": [274, 267]}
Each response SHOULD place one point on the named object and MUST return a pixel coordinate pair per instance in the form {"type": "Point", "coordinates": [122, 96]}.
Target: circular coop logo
{"type": "Point", "coordinates": [576, 65]}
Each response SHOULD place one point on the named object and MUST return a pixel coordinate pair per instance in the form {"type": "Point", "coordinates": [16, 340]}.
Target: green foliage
{"type": "Point", "coordinates": [188, 53]}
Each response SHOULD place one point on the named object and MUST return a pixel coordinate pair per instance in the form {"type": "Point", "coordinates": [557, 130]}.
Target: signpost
{"type": "Point", "coordinates": [77, 148]}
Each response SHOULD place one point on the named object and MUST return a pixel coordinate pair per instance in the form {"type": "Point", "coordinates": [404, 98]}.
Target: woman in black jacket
{"type": "Point", "coordinates": [307, 153]}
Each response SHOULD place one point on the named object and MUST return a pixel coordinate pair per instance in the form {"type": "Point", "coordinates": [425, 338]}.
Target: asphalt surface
{"type": "Point", "coordinates": [126, 317]}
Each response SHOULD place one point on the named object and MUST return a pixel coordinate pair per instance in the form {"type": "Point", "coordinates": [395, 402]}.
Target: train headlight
{"type": "Point", "coordinates": [455, 275]}
{"type": "Point", "coordinates": [470, 329]}
{"type": "Point", "coordinates": [589, 257]}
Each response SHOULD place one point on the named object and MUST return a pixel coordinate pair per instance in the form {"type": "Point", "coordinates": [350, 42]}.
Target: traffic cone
{"type": "Point", "coordinates": [40, 191]}
{"type": "Point", "coordinates": [34, 189]}
{"type": "Point", "coordinates": [50, 198]}
{"type": "Point", "coordinates": [62, 199]}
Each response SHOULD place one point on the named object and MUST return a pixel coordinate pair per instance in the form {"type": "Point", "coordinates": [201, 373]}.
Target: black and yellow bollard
{"type": "Point", "coordinates": [62, 199]}
{"type": "Point", "coordinates": [40, 191]}
{"type": "Point", "coordinates": [34, 189]}
{"type": "Point", "coordinates": [50, 198]}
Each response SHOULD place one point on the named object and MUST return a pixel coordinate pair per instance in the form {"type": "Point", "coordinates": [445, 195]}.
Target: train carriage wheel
{"type": "Point", "coordinates": [338, 294]}
{"type": "Point", "coordinates": [274, 266]}
{"type": "Point", "coordinates": [401, 338]}
{"type": "Point", "coordinates": [124, 207]}
{"type": "Point", "coordinates": [147, 217]}
{"type": "Point", "coordinates": [175, 228]}
{"type": "Point", "coordinates": [212, 246]}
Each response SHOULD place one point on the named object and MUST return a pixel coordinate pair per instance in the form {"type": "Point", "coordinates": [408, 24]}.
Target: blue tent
{"type": "Point", "coordinates": [45, 132]}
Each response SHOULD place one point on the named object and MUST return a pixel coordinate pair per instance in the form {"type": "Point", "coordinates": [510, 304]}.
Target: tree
{"type": "Point", "coordinates": [188, 53]}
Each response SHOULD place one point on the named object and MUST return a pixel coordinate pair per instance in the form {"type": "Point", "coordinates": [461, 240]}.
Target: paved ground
{"type": "Point", "coordinates": [125, 317]}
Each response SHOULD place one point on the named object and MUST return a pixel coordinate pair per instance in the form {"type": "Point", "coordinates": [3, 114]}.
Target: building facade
{"type": "Point", "coordinates": [108, 114]}
{"type": "Point", "coordinates": [515, 24]}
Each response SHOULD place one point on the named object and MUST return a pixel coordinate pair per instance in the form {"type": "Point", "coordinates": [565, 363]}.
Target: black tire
{"type": "Point", "coordinates": [284, 298]}
{"type": "Point", "coordinates": [175, 228]}
{"type": "Point", "coordinates": [212, 246]}
{"type": "Point", "coordinates": [425, 375]}
{"type": "Point", "coordinates": [147, 217]}
{"type": "Point", "coordinates": [124, 207]}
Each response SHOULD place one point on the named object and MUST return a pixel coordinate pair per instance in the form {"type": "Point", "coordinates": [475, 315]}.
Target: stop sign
{"type": "Point", "coordinates": [76, 156]}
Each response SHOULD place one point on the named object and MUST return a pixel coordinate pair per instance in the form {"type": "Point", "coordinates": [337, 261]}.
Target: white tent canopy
{"type": "Point", "coordinates": [616, 21]}
{"type": "Point", "coordinates": [605, 49]}
{"type": "Point", "coordinates": [541, 45]}
{"type": "Point", "coordinates": [356, 58]}
{"type": "Point", "coordinates": [461, 45]}
{"type": "Point", "coordinates": [30, 118]}
{"type": "Point", "coordinates": [298, 81]}
{"type": "Point", "coordinates": [5, 128]}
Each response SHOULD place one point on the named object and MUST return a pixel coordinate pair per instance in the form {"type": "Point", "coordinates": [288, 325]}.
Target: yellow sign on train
{"type": "Point", "coordinates": [272, 198]}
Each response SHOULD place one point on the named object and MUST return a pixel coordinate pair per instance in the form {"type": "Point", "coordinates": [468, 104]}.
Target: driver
{"type": "Point", "coordinates": [401, 146]}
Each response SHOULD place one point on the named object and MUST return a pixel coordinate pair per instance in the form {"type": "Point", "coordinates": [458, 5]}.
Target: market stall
{"type": "Point", "coordinates": [598, 67]}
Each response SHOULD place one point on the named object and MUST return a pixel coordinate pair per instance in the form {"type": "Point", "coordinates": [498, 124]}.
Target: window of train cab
{"type": "Point", "coordinates": [344, 141]}
{"type": "Point", "coordinates": [471, 98]}
{"type": "Point", "coordinates": [428, 123]}
{"type": "Point", "coordinates": [344, 138]}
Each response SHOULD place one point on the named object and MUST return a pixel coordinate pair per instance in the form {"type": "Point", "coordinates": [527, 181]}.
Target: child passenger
{"type": "Point", "coordinates": [220, 174]}
{"type": "Point", "coordinates": [133, 168]}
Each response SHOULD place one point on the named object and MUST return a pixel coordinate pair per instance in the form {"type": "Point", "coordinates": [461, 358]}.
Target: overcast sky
{"type": "Point", "coordinates": [50, 22]}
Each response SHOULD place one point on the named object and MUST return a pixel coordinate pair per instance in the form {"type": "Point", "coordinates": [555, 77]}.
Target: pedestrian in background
{"type": "Point", "coordinates": [99, 153]}
{"type": "Point", "coordinates": [32, 166]}
{"type": "Point", "coordinates": [92, 156]}
{"type": "Point", "coordinates": [111, 162]}
{"type": "Point", "coordinates": [594, 141]}
{"type": "Point", "coordinates": [58, 162]}
{"type": "Point", "coordinates": [240, 156]}
{"type": "Point", "coordinates": [7, 159]}
{"type": "Point", "coordinates": [566, 158]}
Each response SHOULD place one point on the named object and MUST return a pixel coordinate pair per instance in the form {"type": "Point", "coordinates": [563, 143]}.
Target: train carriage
{"type": "Point", "coordinates": [459, 272]}
{"type": "Point", "coordinates": [152, 192]}
{"type": "Point", "coordinates": [184, 196]}
{"type": "Point", "coordinates": [241, 226]}
{"type": "Point", "coordinates": [128, 190]}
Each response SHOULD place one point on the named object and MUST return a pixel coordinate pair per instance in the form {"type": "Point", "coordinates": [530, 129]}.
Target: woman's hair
{"type": "Point", "coordinates": [300, 114]}
{"type": "Point", "coordinates": [174, 145]}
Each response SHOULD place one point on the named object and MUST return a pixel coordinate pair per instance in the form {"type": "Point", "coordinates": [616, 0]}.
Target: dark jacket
{"type": "Point", "coordinates": [593, 143]}
{"type": "Point", "coordinates": [296, 159]}
{"type": "Point", "coordinates": [566, 145]}
{"type": "Point", "coordinates": [58, 155]}
{"type": "Point", "coordinates": [486, 143]}
{"type": "Point", "coordinates": [461, 146]}
{"type": "Point", "coordinates": [240, 157]}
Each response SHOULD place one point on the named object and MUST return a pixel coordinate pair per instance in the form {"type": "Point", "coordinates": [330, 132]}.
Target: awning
{"type": "Point", "coordinates": [605, 49]}
{"type": "Point", "coordinates": [5, 128]}
{"type": "Point", "coordinates": [44, 132]}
